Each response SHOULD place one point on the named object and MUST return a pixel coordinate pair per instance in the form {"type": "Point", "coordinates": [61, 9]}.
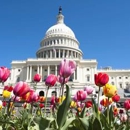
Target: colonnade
{"type": "Point", "coordinates": [65, 42]}
{"type": "Point", "coordinates": [59, 53]}
{"type": "Point", "coordinates": [41, 69]}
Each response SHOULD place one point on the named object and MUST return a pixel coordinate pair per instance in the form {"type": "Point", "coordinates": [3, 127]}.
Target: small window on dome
{"type": "Point", "coordinates": [87, 69]}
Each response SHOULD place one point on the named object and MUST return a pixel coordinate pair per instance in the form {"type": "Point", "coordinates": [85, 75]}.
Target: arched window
{"type": "Point", "coordinates": [41, 93]}
{"type": "Point", "coordinates": [112, 83]}
{"type": "Point", "coordinates": [18, 79]}
{"type": "Point", "coordinates": [53, 93]}
{"type": "Point", "coordinates": [88, 78]}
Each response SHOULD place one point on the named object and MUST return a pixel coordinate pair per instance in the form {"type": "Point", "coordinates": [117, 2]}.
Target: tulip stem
{"type": "Point", "coordinates": [98, 97]}
{"type": "Point", "coordinates": [46, 100]}
{"type": "Point", "coordinates": [108, 111]}
{"type": "Point", "coordinates": [98, 103]}
{"type": "Point", "coordinates": [62, 89]}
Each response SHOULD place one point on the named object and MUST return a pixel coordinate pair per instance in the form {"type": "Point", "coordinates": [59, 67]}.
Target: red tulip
{"type": "Point", "coordinates": [105, 102]}
{"type": "Point", "coordinates": [53, 100]}
{"type": "Point", "coordinates": [4, 74]}
{"type": "Point", "coordinates": [41, 105]}
{"type": "Point", "coordinates": [89, 104]}
{"type": "Point", "coordinates": [21, 89]}
{"type": "Point", "coordinates": [4, 103]}
{"type": "Point", "coordinates": [127, 104]}
{"type": "Point", "coordinates": [101, 79]}
{"type": "Point", "coordinates": [116, 98]}
{"type": "Point", "coordinates": [121, 111]}
{"type": "Point", "coordinates": [37, 78]}
{"type": "Point", "coordinates": [81, 95]}
{"type": "Point", "coordinates": [51, 80]}
{"type": "Point", "coordinates": [8, 88]}
{"type": "Point", "coordinates": [67, 68]}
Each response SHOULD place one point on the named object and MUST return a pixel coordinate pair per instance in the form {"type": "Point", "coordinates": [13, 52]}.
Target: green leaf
{"type": "Point", "coordinates": [83, 112]}
{"type": "Point", "coordinates": [36, 127]}
{"type": "Point", "coordinates": [42, 123]}
{"type": "Point", "coordinates": [85, 123]}
{"type": "Point", "coordinates": [95, 108]}
{"type": "Point", "coordinates": [63, 109]}
{"type": "Point", "coordinates": [97, 124]}
{"type": "Point", "coordinates": [104, 122]}
{"type": "Point", "coordinates": [111, 116]}
{"type": "Point", "coordinates": [67, 123]}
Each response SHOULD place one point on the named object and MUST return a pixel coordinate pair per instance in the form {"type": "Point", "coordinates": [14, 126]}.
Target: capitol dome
{"type": "Point", "coordinates": [59, 42]}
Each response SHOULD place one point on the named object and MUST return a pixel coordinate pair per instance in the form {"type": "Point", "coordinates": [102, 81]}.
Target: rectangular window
{"type": "Point", "coordinates": [88, 78]}
{"type": "Point", "coordinates": [120, 85]}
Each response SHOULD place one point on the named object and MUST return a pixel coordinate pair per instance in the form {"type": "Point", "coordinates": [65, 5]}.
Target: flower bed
{"type": "Point", "coordinates": [63, 112]}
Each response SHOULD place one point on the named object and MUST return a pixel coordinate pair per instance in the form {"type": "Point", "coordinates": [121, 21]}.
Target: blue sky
{"type": "Point", "coordinates": [101, 26]}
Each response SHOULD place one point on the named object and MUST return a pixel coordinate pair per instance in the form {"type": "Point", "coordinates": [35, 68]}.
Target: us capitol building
{"type": "Point", "coordinates": [58, 43]}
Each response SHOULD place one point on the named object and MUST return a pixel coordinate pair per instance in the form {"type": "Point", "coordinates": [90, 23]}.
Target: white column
{"type": "Point", "coordinates": [56, 41]}
{"type": "Point", "coordinates": [74, 75]}
{"type": "Point", "coordinates": [12, 73]}
{"type": "Point", "coordinates": [78, 73]}
{"type": "Point", "coordinates": [117, 85]}
{"type": "Point", "coordinates": [123, 84]}
{"type": "Point", "coordinates": [63, 54]}
{"type": "Point", "coordinates": [38, 69]}
{"type": "Point", "coordinates": [27, 72]}
{"type": "Point", "coordinates": [41, 72]}
{"type": "Point", "coordinates": [56, 70]}
{"type": "Point", "coordinates": [92, 75]}
{"type": "Point", "coordinates": [30, 73]}
{"type": "Point", "coordinates": [48, 70]}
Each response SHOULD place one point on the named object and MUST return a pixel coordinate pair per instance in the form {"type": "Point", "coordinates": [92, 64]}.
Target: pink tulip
{"type": "Point", "coordinates": [89, 89]}
{"type": "Point", "coordinates": [123, 117]}
{"type": "Point", "coordinates": [21, 89]}
{"type": "Point", "coordinates": [37, 78]}
{"type": "Point", "coordinates": [33, 97]}
{"type": "Point", "coordinates": [4, 74]}
{"type": "Point", "coordinates": [62, 80]}
{"type": "Point", "coordinates": [127, 104]}
{"type": "Point", "coordinates": [75, 98]}
{"type": "Point", "coordinates": [16, 99]}
{"type": "Point", "coordinates": [81, 95]}
{"type": "Point", "coordinates": [67, 68]}
{"type": "Point", "coordinates": [51, 80]}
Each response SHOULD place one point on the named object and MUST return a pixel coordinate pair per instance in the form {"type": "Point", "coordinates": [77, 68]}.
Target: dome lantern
{"type": "Point", "coordinates": [60, 17]}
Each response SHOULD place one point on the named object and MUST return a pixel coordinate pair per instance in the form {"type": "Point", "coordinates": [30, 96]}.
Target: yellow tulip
{"type": "Point", "coordinates": [73, 104]}
{"type": "Point", "coordinates": [109, 90]}
{"type": "Point", "coordinates": [0, 107]}
{"type": "Point", "coordinates": [6, 94]}
{"type": "Point", "coordinates": [61, 99]}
